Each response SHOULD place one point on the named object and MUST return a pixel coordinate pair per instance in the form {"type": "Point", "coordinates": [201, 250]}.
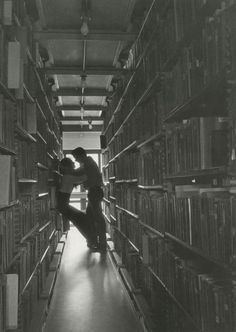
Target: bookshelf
{"type": "Point", "coordinates": [169, 166]}
{"type": "Point", "coordinates": [30, 139]}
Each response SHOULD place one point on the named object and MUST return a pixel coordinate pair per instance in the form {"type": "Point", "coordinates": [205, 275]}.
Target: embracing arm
{"type": "Point", "coordinates": [78, 179]}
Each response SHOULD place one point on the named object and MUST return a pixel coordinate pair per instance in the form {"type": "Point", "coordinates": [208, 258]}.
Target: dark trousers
{"type": "Point", "coordinates": [78, 218]}
{"type": "Point", "coordinates": [94, 213]}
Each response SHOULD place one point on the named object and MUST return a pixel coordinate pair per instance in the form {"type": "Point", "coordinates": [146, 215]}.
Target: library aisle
{"type": "Point", "coordinates": [88, 296]}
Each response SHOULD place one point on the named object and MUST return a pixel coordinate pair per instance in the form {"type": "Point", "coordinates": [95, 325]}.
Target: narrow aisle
{"type": "Point", "coordinates": [88, 296]}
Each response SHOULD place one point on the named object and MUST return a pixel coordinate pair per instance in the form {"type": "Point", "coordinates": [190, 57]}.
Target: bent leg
{"type": "Point", "coordinates": [77, 217]}
{"type": "Point", "coordinates": [95, 197]}
{"type": "Point", "coordinates": [80, 221]}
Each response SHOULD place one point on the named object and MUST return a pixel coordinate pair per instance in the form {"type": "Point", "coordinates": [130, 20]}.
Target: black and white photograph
{"type": "Point", "coordinates": [117, 165]}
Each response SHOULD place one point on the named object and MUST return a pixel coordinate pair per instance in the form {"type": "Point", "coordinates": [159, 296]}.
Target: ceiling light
{"type": "Point", "coordinates": [90, 124]}
{"type": "Point", "coordinates": [84, 28]}
{"type": "Point", "coordinates": [82, 110]}
{"type": "Point", "coordinates": [85, 17]}
{"type": "Point", "coordinates": [83, 81]}
{"type": "Point", "coordinates": [82, 113]}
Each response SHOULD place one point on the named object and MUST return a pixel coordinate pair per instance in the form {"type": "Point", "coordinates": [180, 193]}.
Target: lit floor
{"type": "Point", "coordinates": [88, 296]}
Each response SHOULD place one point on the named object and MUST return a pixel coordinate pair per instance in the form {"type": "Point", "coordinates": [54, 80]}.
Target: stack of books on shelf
{"type": "Point", "coordinates": [7, 114]}
{"type": "Point", "coordinates": [197, 143]}
{"type": "Point", "coordinates": [175, 226]}
{"type": "Point", "coordinates": [127, 196]}
{"type": "Point", "coordinates": [126, 166]}
{"type": "Point", "coordinates": [29, 230]}
{"type": "Point", "coordinates": [152, 209]}
{"type": "Point", "coordinates": [151, 169]}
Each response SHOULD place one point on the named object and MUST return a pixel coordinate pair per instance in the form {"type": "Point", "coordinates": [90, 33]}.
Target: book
{"type": "Point", "coordinates": [1, 119]}
{"type": "Point", "coordinates": [7, 12]}
{"type": "Point", "coordinates": [7, 179]}
{"type": "Point", "coordinates": [31, 111]}
{"type": "Point", "coordinates": [14, 65]}
{"type": "Point", "coordinates": [2, 303]}
{"type": "Point", "coordinates": [12, 301]}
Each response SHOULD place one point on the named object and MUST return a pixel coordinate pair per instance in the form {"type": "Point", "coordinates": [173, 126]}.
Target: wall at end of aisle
{"type": "Point", "coordinates": [89, 141]}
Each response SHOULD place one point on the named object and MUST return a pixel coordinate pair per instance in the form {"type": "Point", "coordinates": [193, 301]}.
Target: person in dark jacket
{"type": "Point", "coordinates": [67, 183]}
{"type": "Point", "coordinates": [93, 184]}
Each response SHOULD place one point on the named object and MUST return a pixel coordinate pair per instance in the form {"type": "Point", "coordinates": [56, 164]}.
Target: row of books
{"type": "Point", "coordinates": [53, 143]}
{"type": "Point", "coordinates": [232, 126]}
{"type": "Point", "coordinates": [206, 295]}
{"type": "Point", "coordinates": [149, 166]}
{"type": "Point", "coordinates": [24, 217]}
{"type": "Point", "coordinates": [149, 117]}
{"type": "Point", "coordinates": [206, 222]}
{"type": "Point", "coordinates": [30, 79]}
{"type": "Point", "coordinates": [112, 189]}
{"type": "Point", "coordinates": [144, 122]}
{"type": "Point", "coordinates": [112, 209]}
{"type": "Point", "coordinates": [7, 116]}
{"type": "Point", "coordinates": [40, 148]}
{"type": "Point", "coordinates": [13, 228]}
{"type": "Point", "coordinates": [42, 210]}
{"type": "Point", "coordinates": [127, 197]}
{"type": "Point", "coordinates": [25, 167]}
{"type": "Point", "coordinates": [143, 40]}
{"type": "Point", "coordinates": [105, 174]}
{"type": "Point", "coordinates": [132, 95]}
{"type": "Point", "coordinates": [44, 235]}
{"type": "Point", "coordinates": [126, 166]}
{"type": "Point", "coordinates": [27, 229]}
{"type": "Point", "coordinates": [28, 304]}
{"type": "Point", "coordinates": [29, 300]}
{"type": "Point", "coordinates": [202, 62]}
{"type": "Point", "coordinates": [184, 20]}
{"type": "Point", "coordinates": [111, 170]}
{"type": "Point", "coordinates": [14, 53]}
{"type": "Point", "coordinates": [151, 63]}
{"type": "Point", "coordinates": [206, 298]}
{"type": "Point", "coordinates": [129, 226]}
{"type": "Point", "coordinates": [152, 164]}
{"type": "Point", "coordinates": [29, 291]}
{"type": "Point", "coordinates": [29, 255]}
{"type": "Point", "coordinates": [7, 238]}
{"type": "Point", "coordinates": [174, 19]}
{"type": "Point", "coordinates": [32, 293]}
{"type": "Point", "coordinates": [42, 177]}
{"type": "Point", "coordinates": [152, 209]}
{"type": "Point", "coordinates": [22, 113]}
{"type": "Point", "coordinates": [197, 143]}
{"type": "Point", "coordinates": [195, 51]}
{"type": "Point", "coordinates": [118, 85]}
{"type": "Point", "coordinates": [163, 311]}
{"type": "Point", "coordinates": [194, 68]}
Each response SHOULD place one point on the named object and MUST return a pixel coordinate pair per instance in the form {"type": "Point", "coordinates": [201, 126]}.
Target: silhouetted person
{"type": "Point", "coordinates": [93, 184]}
{"type": "Point", "coordinates": [67, 183]}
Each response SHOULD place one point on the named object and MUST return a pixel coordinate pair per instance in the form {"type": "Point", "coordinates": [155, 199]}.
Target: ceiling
{"type": "Point", "coordinates": [81, 42]}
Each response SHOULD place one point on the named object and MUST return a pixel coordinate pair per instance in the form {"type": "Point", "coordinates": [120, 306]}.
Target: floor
{"type": "Point", "coordinates": [88, 295]}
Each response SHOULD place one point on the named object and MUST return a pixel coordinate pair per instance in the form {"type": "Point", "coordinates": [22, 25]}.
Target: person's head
{"type": "Point", "coordinates": [79, 154]}
{"type": "Point", "coordinates": [66, 165]}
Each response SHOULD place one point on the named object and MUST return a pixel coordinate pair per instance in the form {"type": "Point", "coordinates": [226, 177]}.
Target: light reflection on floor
{"type": "Point", "coordinates": [88, 296]}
